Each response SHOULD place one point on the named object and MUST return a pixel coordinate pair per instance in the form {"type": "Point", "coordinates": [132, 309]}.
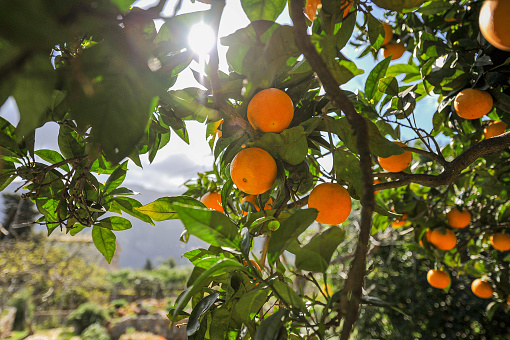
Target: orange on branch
{"type": "Point", "coordinates": [332, 201]}
{"type": "Point", "coordinates": [473, 103]}
{"type": "Point", "coordinates": [399, 223]}
{"type": "Point", "coordinates": [396, 50]}
{"type": "Point", "coordinates": [253, 199]}
{"type": "Point", "coordinates": [311, 9]}
{"type": "Point", "coordinates": [253, 171]}
{"type": "Point", "coordinates": [482, 289]}
{"type": "Point", "coordinates": [396, 163]}
{"type": "Point", "coordinates": [427, 237]}
{"type": "Point", "coordinates": [376, 181]}
{"type": "Point", "coordinates": [458, 219]}
{"type": "Point", "coordinates": [346, 5]}
{"type": "Point", "coordinates": [501, 241]}
{"type": "Point", "coordinates": [493, 22]}
{"type": "Point", "coordinates": [270, 110]}
{"type": "Point", "coordinates": [438, 279]}
{"type": "Point", "coordinates": [388, 33]}
{"type": "Point", "coordinates": [445, 241]}
{"type": "Point", "coordinates": [212, 200]}
{"type": "Point", "coordinates": [495, 128]}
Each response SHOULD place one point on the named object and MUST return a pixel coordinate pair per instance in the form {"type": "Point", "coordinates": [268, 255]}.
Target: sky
{"type": "Point", "coordinates": [178, 161]}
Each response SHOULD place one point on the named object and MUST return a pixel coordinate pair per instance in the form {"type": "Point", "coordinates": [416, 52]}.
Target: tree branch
{"type": "Point", "coordinates": [452, 170]}
{"type": "Point", "coordinates": [352, 290]}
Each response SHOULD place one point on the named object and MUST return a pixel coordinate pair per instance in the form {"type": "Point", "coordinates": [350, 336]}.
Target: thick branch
{"type": "Point", "coordinates": [354, 284]}
{"type": "Point", "coordinates": [452, 170]}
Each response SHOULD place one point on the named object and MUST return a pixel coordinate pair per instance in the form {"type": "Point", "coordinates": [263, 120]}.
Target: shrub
{"type": "Point", "coordinates": [22, 301]}
{"type": "Point", "coordinates": [95, 332]}
{"type": "Point", "coordinates": [86, 315]}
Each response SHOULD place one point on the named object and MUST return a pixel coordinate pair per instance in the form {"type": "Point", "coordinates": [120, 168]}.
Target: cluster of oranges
{"type": "Point", "coordinates": [395, 50]}
{"type": "Point", "coordinates": [253, 170]}
{"type": "Point", "coordinates": [446, 240]}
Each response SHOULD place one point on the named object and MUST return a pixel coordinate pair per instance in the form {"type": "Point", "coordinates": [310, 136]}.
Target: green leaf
{"type": "Point", "coordinates": [52, 157]}
{"type": "Point", "coordinates": [204, 278]}
{"type": "Point", "coordinates": [68, 144]}
{"type": "Point", "coordinates": [389, 86]}
{"type": "Point", "coordinates": [200, 309]}
{"type": "Point", "coordinates": [348, 168]}
{"type": "Point", "coordinates": [115, 223]}
{"type": "Point", "coordinates": [33, 93]}
{"type": "Point", "coordinates": [116, 178]}
{"type": "Point", "coordinates": [263, 9]}
{"type": "Point", "coordinates": [163, 209]}
{"type": "Point", "coordinates": [130, 205]}
{"type": "Point", "coordinates": [250, 304]}
{"type": "Point", "coordinates": [375, 32]}
{"type": "Point", "coordinates": [378, 72]}
{"type": "Point", "coordinates": [105, 241]}
{"type": "Point", "coordinates": [269, 328]}
{"type": "Point", "coordinates": [315, 256]}
{"type": "Point", "coordinates": [208, 225]}
{"type": "Point", "coordinates": [295, 147]}
{"type": "Point", "coordinates": [289, 230]}
{"type": "Point", "coordinates": [289, 296]}
{"type": "Point", "coordinates": [343, 35]}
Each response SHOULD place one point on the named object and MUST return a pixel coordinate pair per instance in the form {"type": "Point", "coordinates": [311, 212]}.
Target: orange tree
{"type": "Point", "coordinates": [104, 73]}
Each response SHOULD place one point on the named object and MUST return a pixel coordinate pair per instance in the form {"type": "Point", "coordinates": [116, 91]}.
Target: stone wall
{"type": "Point", "coordinates": [6, 322]}
{"type": "Point", "coordinates": [157, 323]}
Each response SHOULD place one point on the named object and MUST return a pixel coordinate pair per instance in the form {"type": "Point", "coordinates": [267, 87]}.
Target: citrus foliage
{"type": "Point", "coordinates": [111, 70]}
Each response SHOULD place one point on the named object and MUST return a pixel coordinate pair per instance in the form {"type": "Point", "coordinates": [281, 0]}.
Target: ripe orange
{"type": "Point", "coordinates": [346, 5]}
{"type": "Point", "coordinates": [493, 21]}
{"type": "Point", "coordinates": [427, 236]}
{"type": "Point", "coordinates": [394, 49]}
{"type": "Point", "coordinates": [212, 200]}
{"type": "Point", "coordinates": [508, 300]}
{"type": "Point", "coordinates": [458, 219]}
{"type": "Point", "coordinates": [332, 201]}
{"type": "Point", "coordinates": [501, 241]}
{"type": "Point", "coordinates": [495, 128]}
{"type": "Point", "coordinates": [438, 279]}
{"type": "Point", "coordinates": [399, 223]}
{"type": "Point", "coordinates": [473, 103]}
{"type": "Point", "coordinates": [252, 199]}
{"type": "Point", "coordinates": [270, 110]}
{"type": "Point", "coordinates": [376, 181]}
{"type": "Point", "coordinates": [482, 289]}
{"type": "Point", "coordinates": [388, 33]}
{"type": "Point", "coordinates": [396, 163]}
{"type": "Point", "coordinates": [253, 171]}
{"type": "Point", "coordinates": [445, 241]}
{"type": "Point", "coordinates": [311, 9]}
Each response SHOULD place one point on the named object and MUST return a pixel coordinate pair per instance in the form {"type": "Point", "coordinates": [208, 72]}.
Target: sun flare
{"type": "Point", "coordinates": [201, 38]}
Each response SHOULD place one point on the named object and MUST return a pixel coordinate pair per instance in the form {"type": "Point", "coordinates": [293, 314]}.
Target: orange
{"type": "Point", "coordinates": [212, 200]}
{"type": "Point", "coordinates": [252, 199]}
{"type": "Point", "coordinates": [270, 110]}
{"type": "Point", "coordinates": [438, 279]}
{"type": "Point", "coordinates": [219, 127]}
{"type": "Point", "coordinates": [346, 5]}
{"type": "Point", "coordinates": [253, 171]}
{"type": "Point", "coordinates": [376, 181]}
{"type": "Point", "coordinates": [493, 21]}
{"type": "Point", "coordinates": [399, 223]}
{"type": "Point", "coordinates": [396, 163]}
{"type": "Point", "coordinates": [450, 19]}
{"type": "Point", "coordinates": [445, 241]}
{"type": "Point", "coordinates": [508, 300]}
{"type": "Point", "coordinates": [501, 241]}
{"type": "Point", "coordinates": [332, 201]}
{"type": "Point", "coordinates": [253, 263]}
{"type": "Point", "coordinates": [472, 103]}
{"type": "Point", "coordinates": [311, 9]}
{"type": "Point", "coordinates": [458, 219]}
{"type": "Point", "coordinates": [388, 33]}
{"type": "Point", "coordinates": [495, 128]}
{"type": "Point", "coordinates": [482, 288]}
{"type": "Point", "coordinates": [394, 49]}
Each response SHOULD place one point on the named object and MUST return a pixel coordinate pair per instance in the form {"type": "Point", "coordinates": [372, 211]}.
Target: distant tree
{"type": "Point", "coordinates": [19, 215]}
{"type": "Point", "coordinates": [169, 262]}
{"type": "Point", "coordinates": [148, 265]}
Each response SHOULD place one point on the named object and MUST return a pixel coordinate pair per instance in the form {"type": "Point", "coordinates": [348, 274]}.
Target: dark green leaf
{"type": "Point", "coordinates": [250, 304]}
{"type": "Point", "coordinates": [315, 256]}
{"type": "Point", "coordinates": [67, 143]}
{"type": "Point", "coordinates": [378, 72]}
{"type": "Point", "coordinates": [200, 309]}
{"type": "Point", "coordinates": [389, 86]}
{"type": "Point", "coordinates": [208, 225]}
{"type": "Point", "coordinates": [105, 241]}
{"type": "Point", "coordinates": [52, 157]}
{"type": "Point", "coordinates": [116, 178]}
{"type": "Point", "coordinates": [289, 296]}
{"type": "Point", "coordinates": [269, 329]}
{"type": "Point", "coordinates": [129, 205]}
{"type": "Point", "coordinates": [289, 230]}
{"type": "Point", "coordinates": [115, 223]}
